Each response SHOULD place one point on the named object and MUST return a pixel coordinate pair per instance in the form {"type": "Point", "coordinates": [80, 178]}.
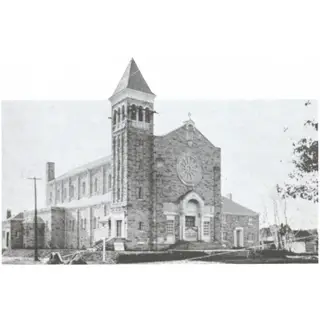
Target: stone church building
{"type": "Point", "coordinates": [152, 192]}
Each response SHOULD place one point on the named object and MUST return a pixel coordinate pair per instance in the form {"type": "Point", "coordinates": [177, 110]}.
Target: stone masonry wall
{"type": "Point", "coordinates": [71, 226]}
{"type": "Point", "coordinates": [169, 186]}
{"type": "Point", "coordinates": [58, 231]}
{"type": "Point", "coordinates": [16, 234]}
{"type": "Point", "coordinates": [250, 225]}
{"type": "Point", "coordinates": [44, 224]}
{"type": "Point", "coordinates": [139, 174]}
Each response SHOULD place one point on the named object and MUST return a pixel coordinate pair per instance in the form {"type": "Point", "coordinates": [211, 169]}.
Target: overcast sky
{"type": "Point", "coordinates": [255, 149]}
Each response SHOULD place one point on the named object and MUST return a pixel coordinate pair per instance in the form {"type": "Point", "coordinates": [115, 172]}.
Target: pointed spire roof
{"type": "Point", "coordinates": [133, 79]}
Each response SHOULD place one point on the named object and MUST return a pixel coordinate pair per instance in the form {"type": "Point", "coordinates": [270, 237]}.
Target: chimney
{"type": "Point", "coordinates": [229, 196]}
{"type": "Point", "coordinates": [50, 175]}
{"type": "Point", "coordinates": [8, 213]}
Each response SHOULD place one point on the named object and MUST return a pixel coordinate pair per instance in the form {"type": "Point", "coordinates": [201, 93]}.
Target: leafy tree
{"type": "Point", "coordinates": [303, 181]}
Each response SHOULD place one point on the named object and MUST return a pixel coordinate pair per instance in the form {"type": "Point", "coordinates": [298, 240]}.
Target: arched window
{"type": "Point", "coordinates": [147, 115]}
{"type": "Point", "coordinates": [140, 114]}
{"type": "Point", "coordinates": [133, 112]}
{"type": "Point", "coordinates": [109, 182]}
{"type": "Point", "coordinates": [114, 117]}
{"type": "Point", "coordinates": [95, 185]}
{"type": "Point", "coordinates": [123, 113]}
{"type": "Point", "coordinates": [83, 188]}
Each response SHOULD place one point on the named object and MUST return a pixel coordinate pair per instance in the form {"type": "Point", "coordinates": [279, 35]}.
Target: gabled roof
{"type": "Point", "coordinates": [182, 127]}
{"type": "Point", "coordinates": [231, 207]}
{"type": "Point", "coordinates": [87, 166]}
{"type": "Point", "coordinates": [133, 79]}
{"type": "Point", "coordinates": [302, 234]}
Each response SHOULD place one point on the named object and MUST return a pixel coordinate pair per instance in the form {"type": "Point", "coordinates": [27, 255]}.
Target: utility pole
{"type": "Point", "coordinates": [35, 219]}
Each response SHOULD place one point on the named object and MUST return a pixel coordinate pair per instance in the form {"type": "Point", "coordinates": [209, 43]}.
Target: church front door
{"type": "Point", "coordinates": [191, 231]}
{"type": "Point", "coordinates": [119, 228]}
{"type": "Point", "coordinates": [191, 221]}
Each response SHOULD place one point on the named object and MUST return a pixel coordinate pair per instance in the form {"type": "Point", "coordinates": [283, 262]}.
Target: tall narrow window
{"type": "Point", "coordinates": [140, 114]}
{"type": "Point", "coordinates": [224, 236]}
{"type": "Point", "coordinates": [71, 191]}
{"type": "Point", "coordinates": [140, 226]}
{"type": "Point", "coordinates": [147, 115]}
{"type": "Point", "coordinates": [133, 112]}
{"type": "Point", "coordinates": [83, 188]}
{"type": "Point", "coordinates": [94, 223]}
{"type": "Point", "coordinates": [140, 166]}
{"type": "Point", "coordinates": [119, 115]}
{"type": "Point", "coordinates": [73, 222]}
{"type": "Point", "coordinates": [123, 113]}
{"type": "Point", "coordinates": [85, 224]}
{"type": "Point", "coordinates": [95, 185]}
{"type": "Point", "coordinates": [206, 228]}
{"type": "Point", "coordinates": [114, 117]}
{"type": "Point", "coordinates": [109, 182]}
{"type": "Point", "coordinates": [109, 228]}
{"type": "Point", "coordinates": [170, 227]}
{"type": "Point", "coordinates": [140, 195]}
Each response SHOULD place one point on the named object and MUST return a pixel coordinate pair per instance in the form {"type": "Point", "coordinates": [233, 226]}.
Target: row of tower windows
{"type": "Point", "coordinates": [133, 112]}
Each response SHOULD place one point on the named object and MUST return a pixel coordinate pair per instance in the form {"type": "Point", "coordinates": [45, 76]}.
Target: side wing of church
{"type": "Point", "coordinates": [151, 193]}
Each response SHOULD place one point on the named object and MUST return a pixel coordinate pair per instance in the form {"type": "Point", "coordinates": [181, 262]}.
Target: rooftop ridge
{"type": "Point", "coordinates": [87, 166]}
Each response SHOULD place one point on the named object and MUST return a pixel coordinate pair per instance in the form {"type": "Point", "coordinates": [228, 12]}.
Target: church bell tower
{"type": "Point", "coordinates": [132, 106]}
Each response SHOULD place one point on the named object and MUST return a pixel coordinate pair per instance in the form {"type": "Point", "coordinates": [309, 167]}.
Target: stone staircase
{"type": "Point", "coordinates": [197, 246]}
{"type": "Point", "coordinates": [109, 243]}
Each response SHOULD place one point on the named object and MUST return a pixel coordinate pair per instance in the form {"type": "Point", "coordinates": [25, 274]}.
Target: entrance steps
{"type": "Point", "coordinates": [109, 243]}
{"type": "Point", "coordinates": [197, 245]}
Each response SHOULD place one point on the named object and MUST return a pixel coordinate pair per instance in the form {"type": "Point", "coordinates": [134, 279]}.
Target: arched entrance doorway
{"type": "Point", "coordinates": [191, 220]}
